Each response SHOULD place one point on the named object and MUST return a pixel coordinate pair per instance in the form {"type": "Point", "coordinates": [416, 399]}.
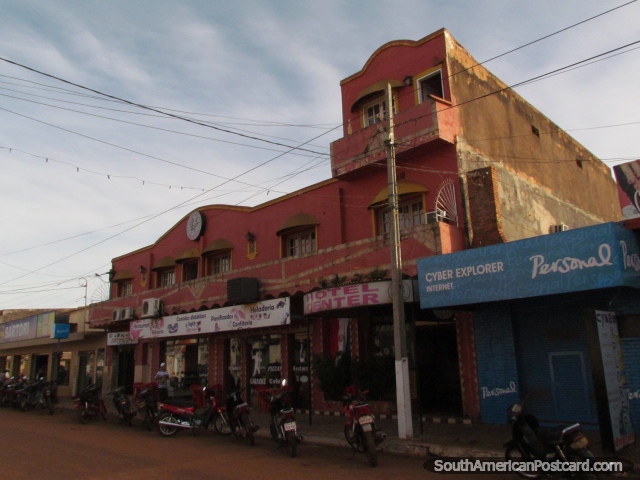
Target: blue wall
{"type": "Point", "coordinates": [554, 362]}
{"type": "Point", "coordinates": [496, 360]}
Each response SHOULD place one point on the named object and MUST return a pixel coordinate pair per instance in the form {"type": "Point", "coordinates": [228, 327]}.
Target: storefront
{"type": "Point", "coordinates": [242, 346]}
{"type": "Point", "coordinates": [538, 306]}
{"type": "Point", "coordinates": [27, 349]}
{"type": "Point", "coordinates": [354, 323]}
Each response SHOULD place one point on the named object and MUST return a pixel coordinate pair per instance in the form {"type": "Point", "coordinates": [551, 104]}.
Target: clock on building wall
{"type": "Point", "coordinates": [195, 225]}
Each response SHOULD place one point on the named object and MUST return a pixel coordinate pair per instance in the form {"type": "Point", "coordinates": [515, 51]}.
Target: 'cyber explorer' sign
{"type": "Point", "coordinates": [600, 256]}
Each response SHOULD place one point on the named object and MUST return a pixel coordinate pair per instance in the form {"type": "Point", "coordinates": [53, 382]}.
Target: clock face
{"type": "Point", "coordinates": [195, 225]}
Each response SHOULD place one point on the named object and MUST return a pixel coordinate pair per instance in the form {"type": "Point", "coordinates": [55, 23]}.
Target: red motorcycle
{"type": "Point", "coordinates": [360, 428]}
{"type": "Point", "coordinates": [175, 414]}
{"type": "Point", "coordinates": [90, 404]}
{"type": "Point", "coordinates": [283, 421]}
{"type": "Point", "coordinates": [240, 418]}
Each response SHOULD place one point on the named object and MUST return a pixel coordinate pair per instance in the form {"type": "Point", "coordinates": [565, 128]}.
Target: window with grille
{"type": "Point", "coordinates": [189, 271]}
{"type": "Point", "coordinates": [219, 263]}
{"type": "Point", "coordinates": [410, 214]}
{"type": "Point", "coordinates": [167, 277]}
{"type": "Point", "coordinates": [125, 288]}
{"type": "Point", "coordinates": [376, 111]}
{"type": "Point", "coordinates": [301, 242]}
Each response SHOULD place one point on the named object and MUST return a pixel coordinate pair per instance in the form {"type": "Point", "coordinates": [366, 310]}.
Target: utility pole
{"type": "Point", "coordinates": [403, 395]}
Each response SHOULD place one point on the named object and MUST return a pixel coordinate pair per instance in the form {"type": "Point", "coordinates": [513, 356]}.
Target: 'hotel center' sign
{"type": "Point", "coordinates": [356, 295]}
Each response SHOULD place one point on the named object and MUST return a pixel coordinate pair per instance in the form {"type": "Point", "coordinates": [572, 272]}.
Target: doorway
{"type": "Point", "coordinates": [124, 367]}
{"type": "Point", "coordinates": [40, 366]}
{"type": "Point", "coordinates": [438, 369]}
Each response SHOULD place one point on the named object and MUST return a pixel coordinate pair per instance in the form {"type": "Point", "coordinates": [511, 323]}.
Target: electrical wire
{"type": "Point", "coordinates": [168, 114]}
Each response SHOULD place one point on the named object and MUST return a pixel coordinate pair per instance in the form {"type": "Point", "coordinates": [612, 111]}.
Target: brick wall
{"type": "Point", "coordinates": [468, 365]}
{"type": "Point", "coordinates": [484, 207]}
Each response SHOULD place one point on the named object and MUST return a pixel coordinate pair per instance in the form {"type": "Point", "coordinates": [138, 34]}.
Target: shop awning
{"type": "Point", "coordinates": [219, 244]}
{"type": "Point", "coordinates": [404, 188]}
{"type": "Point", "coordinates": [122, 275]}
{"type": "Point", "coordinates": [165, 262]}
{"type": "Point", "coordinates": [189, 254]}
{"type": "Point", "coordinates": [299, 220]}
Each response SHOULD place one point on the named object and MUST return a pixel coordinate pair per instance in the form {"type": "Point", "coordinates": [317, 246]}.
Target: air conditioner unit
{"type": "Point", "coordinates": [126, 313]}
{"type": "Point", "coordinates": [150, 308]}
{"type": "Point", "coordinates": [436, 216]}
{"type": "Point", "coordinates": [560, 228]}
{"type": "Point", "coordinates": [115, 316]}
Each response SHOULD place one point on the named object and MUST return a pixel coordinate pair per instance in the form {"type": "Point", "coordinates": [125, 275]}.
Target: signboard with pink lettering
{"type": "Point", "coordinates": [268, 313]}
{"type": "Point", "coordinates": [355, 295]}
{"type": "Point", "coordinates": [600, 256]}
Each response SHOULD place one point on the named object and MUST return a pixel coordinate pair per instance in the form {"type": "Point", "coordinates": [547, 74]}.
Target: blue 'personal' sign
{"type": "Point", "coordinates": [60, 330]}
{"type": "Point", "coordinates": [601, 256]}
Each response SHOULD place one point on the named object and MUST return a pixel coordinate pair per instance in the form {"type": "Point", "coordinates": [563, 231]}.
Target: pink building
{"type": "Point", "coordinates": [251, 295]}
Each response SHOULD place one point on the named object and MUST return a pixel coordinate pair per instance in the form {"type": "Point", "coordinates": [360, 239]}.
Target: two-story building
{"type": "Point", "coordinates": [247, 295]}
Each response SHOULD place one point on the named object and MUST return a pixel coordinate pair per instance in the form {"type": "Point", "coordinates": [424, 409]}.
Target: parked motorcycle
{"type": "Point", "coordinates": [175, 414]}
{"type": "Point", "coordinates": [50, 394]}
{"type": "Point", "coordinates": [239, 417]}
{"type": "Point", "coordinates": [123, 406]}
{"type": "Point", "coordinates": [147, 405]}
{"type": "Point", "coordinates": [31, 395]}
{"type": "Point", "coordinates": [530, 442]}
{"type": "Point", "coordinates": [89, 404]}
{"type": "Point", "coordinates": [283, 421]}
{"type": "Point", "coordinates": [360, 428]}
{"type": "Point", "coordinates": [9, 395]}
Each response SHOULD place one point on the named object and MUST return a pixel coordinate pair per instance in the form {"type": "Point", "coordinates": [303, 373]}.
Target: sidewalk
{"type": "Point", "coordinates": [439, 438]}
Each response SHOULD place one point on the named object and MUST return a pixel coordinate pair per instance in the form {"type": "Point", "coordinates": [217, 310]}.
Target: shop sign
{"type": "Point", "coordinates": [36, 326]}
{"type": "Point", "coordinates": [60, 330]}
{"type": "Point", "coordinates": [589, 258]}
{"type": "Point", "coordinates": [269, 313]}
{"type": "Point", "coordinates": [120, 338]}
{"type": "Point", "coordinates": [355, 295]}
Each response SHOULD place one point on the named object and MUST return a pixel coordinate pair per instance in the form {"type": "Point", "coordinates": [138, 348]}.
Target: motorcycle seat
{"type": "Point", "coordinates": [555, 435]}
{"type": "Point", "coordinates": [182, 403]}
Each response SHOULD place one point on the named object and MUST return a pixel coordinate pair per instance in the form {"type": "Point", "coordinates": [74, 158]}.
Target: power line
{"type": "Point", "coordinates": [543, 38]}
{"type": "Point", "coordinates": [178, 117]}
{"type": "Point", "coordinates": [254, 122]}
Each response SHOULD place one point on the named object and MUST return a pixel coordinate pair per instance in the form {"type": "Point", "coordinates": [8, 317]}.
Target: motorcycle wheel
{"type": "Point", "coordinates": [221, 425]}
{"type": "Point", "coordinates": [50, 405]}
{"type": "Point", "coordinates": [292, 444]}
{"type": "Point", "coordinates": [352, 440]}
{"type": "Point", "coordinates": [24, 404]}
{"type": "Point", "coordinates": [248, 429]}
{"type": "Point", "coordinates": [370, 448]}
{"type": "Point", "coordinates": [103, 410]}
{"type": "Point", "coordinates": [165, 430]}
{"type": "Point", "coordinates": [83, 415]}
{"type": "Point", "coordinates": [513, 453]}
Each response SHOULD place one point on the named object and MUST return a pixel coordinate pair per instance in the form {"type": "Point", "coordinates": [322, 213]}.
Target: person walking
{"type": "Point", "coordinates": [162, 377]}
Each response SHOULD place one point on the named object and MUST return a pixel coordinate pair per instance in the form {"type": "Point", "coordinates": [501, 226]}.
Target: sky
{"type": "Point", "coordinates": [86, 177]}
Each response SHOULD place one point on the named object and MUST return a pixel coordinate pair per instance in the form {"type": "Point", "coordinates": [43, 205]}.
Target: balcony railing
{"type": "Point", "coordinates": [430, 121]}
